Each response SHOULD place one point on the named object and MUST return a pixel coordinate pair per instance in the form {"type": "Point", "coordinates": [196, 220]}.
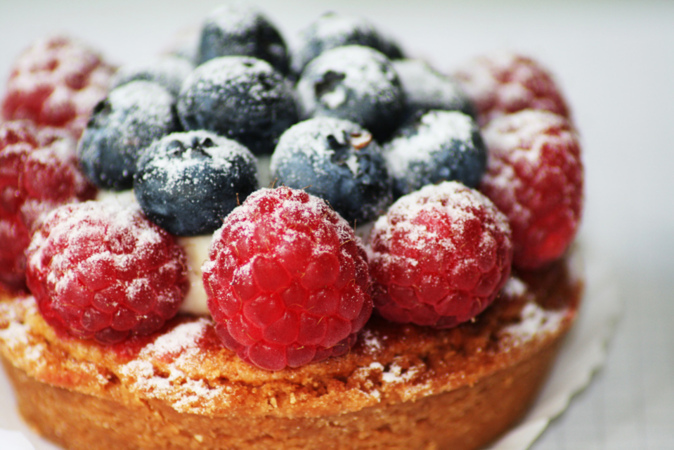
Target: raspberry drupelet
{"type": "Point", "coordinates": [287, 280]}
{"type": "Point", "coordinates": [439, 256]}
{"type": "Point", "coordinates": [102, 271]}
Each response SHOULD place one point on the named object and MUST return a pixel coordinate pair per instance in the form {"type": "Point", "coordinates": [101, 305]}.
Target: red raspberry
{"type": "Point", "coordinates": [287, 281]}
{"type": "Point", "coordinates": [38, 171]}
{"type": "Point", "coordinates": [505, 82]}
{"type": "Point", "coordinates": [535, 176]}
{"type": "Point", "coordinates": [56, 82]}
{"type": "Point", "coordinates": [102, 271]}
{"type": "Point", "coordinates": [439, 256]}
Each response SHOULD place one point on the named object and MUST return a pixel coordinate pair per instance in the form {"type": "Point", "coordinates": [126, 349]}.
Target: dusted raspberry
{"type": "Point", "coordinates": [506, 82]}
{"type": "Point", "coordinates": [102, 271]}
{"type": "Point", "coordinates": [439, 256]}
{"type": "Point", "coordinates": [56, 82]}
{"type": "Point", "coordinates": [535, 176]}
{"type": "Point", "coordinates": [38, 171]}
{"type": "Point", "coordinates": [287, 281]}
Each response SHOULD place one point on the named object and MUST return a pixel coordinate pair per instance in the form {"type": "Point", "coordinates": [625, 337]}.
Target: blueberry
{"type": "Point", "coordinates": [238, 29]}
{"type": "Point", "coordinates": [168, 71]}
{"type": "Point", "coordinates": [239, 97]}
{"type": "Point", "coordinates": [426, 89]}
{"type": "Point", "coordinates": [438, 146]}
{"type": "Point", "coordinates": [333, 30]}
{"type": "Point", "coordinates": [188, 182]}
{"type": "Point", "coordinates": [338, 161]}
{"type": "Point", "coordinates": [354, 83]}
{"type": "Point", "coordinates": [121, 127]}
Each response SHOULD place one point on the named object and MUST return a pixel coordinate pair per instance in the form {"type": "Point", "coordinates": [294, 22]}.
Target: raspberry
{"type": "Point", "coordinates": [504, 83]}
{"type": "Point", "coordinates": [102, 271]}
{"type": "Point", "coordinates": [56, 82]}
{"type": "Point", "coordinates": [535, 176]}
{"type": "Point", "coordinates": [287, 281]}
{"type": "Point", "coordinates": [439, 256]}
{"type": "Point", "coordinates": [38, 171]}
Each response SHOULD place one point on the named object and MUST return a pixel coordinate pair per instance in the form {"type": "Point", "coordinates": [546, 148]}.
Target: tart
{"type": "Point", "coordinates": [473, 280]}
{"type": "Point", "coordinates": [400, 386]}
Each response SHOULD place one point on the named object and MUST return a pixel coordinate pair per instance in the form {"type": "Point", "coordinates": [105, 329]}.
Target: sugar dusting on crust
{"type": "Point", "coordinates": [15, 334]}
{"type": "Point", "coordinates": [535, 321]}
{"type": "Point", "coordinates": [171, 381]}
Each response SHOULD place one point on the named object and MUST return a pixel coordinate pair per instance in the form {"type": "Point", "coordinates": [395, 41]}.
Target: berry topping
{"type": "Point", "coordinates": [354, 83]}
{"type": "Point", "coordinates": [242, 30]}
{"type": "Point", "coordinates": [239, 97]}
{"type": "Point", "coordinates": [333, 30]}
{"type": "Point", "coordinates": [121, 127]}
{"type": "Point", "coordinates": [437, 146]}
{"type": "Point", "coordinates": [427, 89]}
{"type": "Point", "coordinates": [168, 71]}
{"type": "Point", "coordinates": [535, 176]}
{"type": "Point", "coordinates": [38, 171]}
{"type": "Point", "coordinates": [287, 280]}
{"type": "Point", "coordinates": [439, 256]}
{"type": "Point", "coordinates": [337, 161]}
{"type": "Point", "coordinates": [505, 82]}
{"type": "Point", "coordinates": [101, 271]}
{"type": "Point", "coordinates": [188, 182]}
{"type": "Point", "coordinates": [56, 82]}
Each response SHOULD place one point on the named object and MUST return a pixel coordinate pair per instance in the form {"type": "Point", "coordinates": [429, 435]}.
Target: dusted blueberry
{"type": "Point", "coordinates": [426, 89]}
{"type": "Point", "coordinates": [437, 146]}
{"type": "Point", "coordinates": [338, 161]}
{"type": "Point", "coordinates": [239, 97]}
{"type": "Point", "coordinates": [355, 83]}
{"type": "Point", "coordinates": [243, 30]}
{"type": "Point", "coordinates": [121, 127]}
{"type": "Point", "coordinates": [188, 182]}
{"type": "Point", "coordinates": [168, 71]}
{"type": "Point", "coordinates": [333, 30]}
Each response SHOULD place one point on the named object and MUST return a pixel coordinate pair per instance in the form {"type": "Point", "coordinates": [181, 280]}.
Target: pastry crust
{"type": "Point", "coordinates": [401, 386]}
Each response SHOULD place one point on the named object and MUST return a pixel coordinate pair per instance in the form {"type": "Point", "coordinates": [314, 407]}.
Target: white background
{"type": "Point", "coordinates": [615, 63]}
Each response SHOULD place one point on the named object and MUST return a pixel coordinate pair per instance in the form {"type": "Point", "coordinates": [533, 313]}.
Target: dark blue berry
{"type": "Point", "coordinates": [168, 71]}
{"type": "Point", "coordinates": [239, 97]}
{"type": "Point", "coordinates": [188, 182]}
{"type": "Point", "coordinates": [333, 30]}
{"type": "Point", "coordinates": [242, 30]}
{"type": "Point", "coordinates": [121, 127]}
{"type": "Point", "coordinates": [426, 89]}
{"type": "Point", "coordinates": [338, 161]}
{"type": "Point", "coordinates": [437, 146]}
{"type": "Point", "coordinates": [354, 83]}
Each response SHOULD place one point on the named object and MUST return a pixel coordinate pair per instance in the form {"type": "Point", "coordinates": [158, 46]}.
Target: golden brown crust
{"type": "Point", "coordinates": [399, 387]}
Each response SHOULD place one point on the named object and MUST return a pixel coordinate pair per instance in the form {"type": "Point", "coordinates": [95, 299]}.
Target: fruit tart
{"type": "Point", "coordinates": [252, 246]}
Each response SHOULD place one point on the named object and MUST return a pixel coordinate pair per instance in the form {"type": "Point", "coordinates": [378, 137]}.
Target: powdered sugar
{"type": "Point", "coordinates": [217, 75]}
{"type": "Point", "coordinates": [535, 321]}
{"type": "Point", "coordinates": [184, 393]}
{"type": "Point", "coordinates": [175, 171]}
{"type": "Point", "coordinates": [524, 135]}
{"type": "Point", "coordinates": [435, 197]}
{"type": "Point", "coordinates": [434, 133]}
{"type": "Point", "coordinates": [363, 73]}
{"type": "Point", "coordinates": [426, 88]}
{"type": "Point", "coordinates": [15, 336]}
{"type": "Point", "coordinates": [311, 138]}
